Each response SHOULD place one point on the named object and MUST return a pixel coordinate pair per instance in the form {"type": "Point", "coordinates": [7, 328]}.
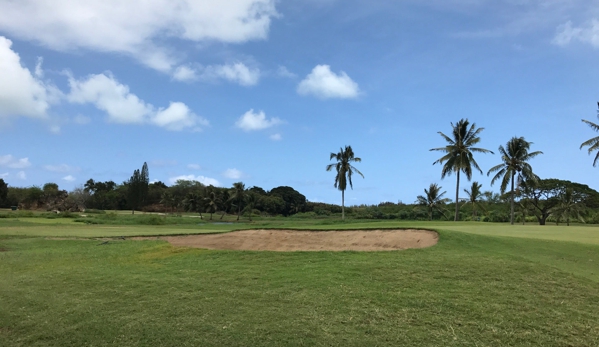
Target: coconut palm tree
{"type": "Point", "coordinates": [212, 200]}
{"type": "Point", "coordinates": [458, 153]}
{"type": "Point", "coordinates": [474, 197]}
{"type": "Point", "coordinates": [238, 196]}
{"type": "Point", "coordinates": [433, 200]}
{"type": "Point", "coordinates": [569, 206]}
{"type": "Point", "coordinates": [345, 170]}
{"type": "Point", "coordinates": [594, 142]}
{"type": "Point", "coordinates": [514, 156]}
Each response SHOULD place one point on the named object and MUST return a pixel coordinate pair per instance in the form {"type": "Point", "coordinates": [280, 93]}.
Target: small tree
{"type": "Point", "coordinates": [345, 170]}
{"type": "Point", "coordinates": [238, 196]}
{"type": "Point", "coordinates": [474, 197]}
{"type": "Point", "coordinates": [433, 200]}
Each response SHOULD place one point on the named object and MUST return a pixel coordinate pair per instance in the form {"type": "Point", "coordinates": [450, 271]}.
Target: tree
{"type": "Point", "coordinates": [345, 170]}
{"type": "Point", "coordinates": [433, 200]}
{"type": "Point", "coordinates": [593, 143]}
{"type": "Point", "coordinates": [250, 201]}
{"type": "Point", "coordinates": [3, 193]}
{"type": "Point", "coordinates": [474, 197]}
{"type": "Point", "coordinates": [458, 153]}
{"type": "Point", "coordinates": [570, 205]}
{"type": "Point", "coordinates": [193, 202]}
{"type": "Point", "coordinates": [212, 200]}
{"type": "Point", "coordinates": [138, 187]}
{"type": "Point", "coordinates": [294, 200]}
{"type": "Point", "coordinates": [238, 196]}
{"type": "Point", "coordinates": [515, 156]}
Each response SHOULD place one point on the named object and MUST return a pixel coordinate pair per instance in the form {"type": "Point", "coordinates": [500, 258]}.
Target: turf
{"type": "Point", "coordinates": [468, 290]}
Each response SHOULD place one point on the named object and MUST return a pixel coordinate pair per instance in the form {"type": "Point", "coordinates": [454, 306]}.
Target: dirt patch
{"type": "Point", "coordinates": [293, 240]}
{"type": "Point", "coordinates": [3, 249]}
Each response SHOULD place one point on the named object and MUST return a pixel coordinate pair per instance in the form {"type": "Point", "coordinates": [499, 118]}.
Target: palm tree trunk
{"type": "Point", "coordinates": [343, 204]}
{"type": "Point", "coordinates": [457, 190]}
{"type": "Point", "coordinates": [512, 202]}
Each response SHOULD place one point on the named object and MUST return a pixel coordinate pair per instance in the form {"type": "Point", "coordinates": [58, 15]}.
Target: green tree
{"type": "Point", "coordinates": [345, 170]}
{"type": "Point", "coordinates": [3, 193]}
{"type": "Point", "coordinates": [592, 143]}
{"type": "Point", "coordinates": [475, 196]}
{"type": "Point", "coordinates": [570, 205]}
{"type": "Point", "coordinates": [138, 187]}
{"type": "Point", "coordinates": [459, 154]}
{"type": "Point", "coordinates": [238, 196]}
{"type": "Point", "coordinates": [212, 200]}
{"type": "Point", "coordinates": [194, 202]}
{"type": "Point", "coordinates": [251, 199]}
{"type": "Point", "coordinates": [515, 157]}
{"type": "Point", "coordinates": [433, 200]}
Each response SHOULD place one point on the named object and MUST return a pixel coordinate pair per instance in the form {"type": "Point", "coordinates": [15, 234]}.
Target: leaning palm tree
{"type": "Point", "coordinates": [474, 197]}
{"type": "Point", "coordinates": [433, 200]}
{"type": "Point", "coordinates": [238, 196]}
{"type": "Point", "coordinates": [514, 156]}
{"type": "Point", "coordinates": [458, 153]}
{"type": "Point", "coordinates": [594, 142]}
{"type": "Point", "coordinates": [345, 170]}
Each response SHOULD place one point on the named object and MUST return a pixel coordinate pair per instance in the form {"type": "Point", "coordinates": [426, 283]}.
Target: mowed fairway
{"type": "Point", "coordinates": [479, 286]}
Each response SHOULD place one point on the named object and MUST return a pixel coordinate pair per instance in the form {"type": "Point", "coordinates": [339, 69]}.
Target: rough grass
{"type": "Point", "coordinates": [468, 290]}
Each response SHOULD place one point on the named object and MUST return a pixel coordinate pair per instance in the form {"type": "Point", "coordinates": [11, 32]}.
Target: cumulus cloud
{"type": "Point", "coordinates": [276, 137]}
{"type": "Point", "coordinates": [202, 179]}
{"type": "Point", "coordinates": [236, 73]}
{"type": "Point", "coordinates": [14, 163]}
{"type": "Point", "coordinates": [250, 121]}
{"type": "Point", "coordinates": [233, 174]}
{"type": "Point", "coordinates": [124, 107]}
{"type": "Point", "coordinates": [325, 84]}
{"type": "Point", "coordinates": [185, 74]}
{"type": "Point", "coordinates": [21, 175]}
{"type": "Point", "coordinates": [109, 26]}
{"type": "Point", "coordinates": [588, 33]}
{"type": "Point", "coordinates": [69, 178]}
{"type": "Point", "coordinates": [21, 93]}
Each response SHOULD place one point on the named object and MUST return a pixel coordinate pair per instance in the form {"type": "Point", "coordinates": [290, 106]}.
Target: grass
{"type": "Point", "coordinates": [480, 286]}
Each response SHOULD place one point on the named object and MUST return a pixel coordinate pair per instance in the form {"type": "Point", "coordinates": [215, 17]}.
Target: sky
{"type": "Point", "coordinates": [262, 91]}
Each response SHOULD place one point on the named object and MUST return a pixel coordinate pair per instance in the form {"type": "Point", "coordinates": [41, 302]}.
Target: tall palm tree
{"type": "Point", "coordinates": [345, 170]}
{"type": "Point", "coordinates": [458, 153]}
{"type": "Point", "coordinates": [569, 206]}
{"type": "Point", "coordinates": [238, 196]}
{"type": "Point", "coordinates": [514, 156]}
{"type": "Point", "coordinates": [593, 143]}
{"type": "Point", "coordinates": [433, 200]}
{"type": "Point", "coordinates": [474, 197]}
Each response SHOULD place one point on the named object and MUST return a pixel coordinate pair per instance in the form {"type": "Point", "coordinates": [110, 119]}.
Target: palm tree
{"type": "Point", "coordinates": [238, 196]}
{"type": "Point", "coordinates": [345, 170]}
{"type": "Point", "coordinates": [474, 197]}
{"type": "Point", "coordinates": [514, 156]}
{"type": "Point", "coordinates": [212, 200]}
{"type": "Point", "coordinates": [594, 142]}
{"type": "Point", "coordinates": [458, 157]}
{"type": "Point", "coordinates": [193, 202]}
{"type": "Point", "coordinates": [569, 206]}
{"type": "Point", "coordinates": [250, 202]}
{"type": "Point", "coordinates": [433, 200]}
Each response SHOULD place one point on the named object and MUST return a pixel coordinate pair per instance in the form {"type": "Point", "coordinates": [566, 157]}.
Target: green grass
{"type": "Point", "coordinates": [479, 286]}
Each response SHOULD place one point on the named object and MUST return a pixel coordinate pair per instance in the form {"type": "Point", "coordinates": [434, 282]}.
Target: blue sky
{"type": "Point", "coordinates": [263, 91]}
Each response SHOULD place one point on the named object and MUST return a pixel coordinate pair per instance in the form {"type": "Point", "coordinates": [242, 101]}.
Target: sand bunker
{"type": "Point", "coordinates": [293, 240]}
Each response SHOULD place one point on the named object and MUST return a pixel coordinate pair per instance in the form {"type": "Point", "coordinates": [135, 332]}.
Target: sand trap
{"type": "Point", "coordinates": [293, 240]}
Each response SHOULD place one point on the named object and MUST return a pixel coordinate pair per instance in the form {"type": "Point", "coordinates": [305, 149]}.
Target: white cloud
{"type": "Point", "coordinates": [202, 179]}
{"type": "Point", "coordinates": [136, 27]}
{"type": "Point", "coordinates": [250, 121]}
{"type": "Point", "coordinates": [60, 168]}
{"type": "Point", "coordinates": [81, 119]}
{"type": "Point", "coordinates": [194, 166]}
{"type": "Point", "coordinates": [21, 175]}
{"type": "Point", "coordinates": [21, 93]}
{"type": "Point", "coordinates": [39, 72]}
{"type": "Point", "coordinates": [14, 163]}
{"type": "Point", "coordinates": [283, 72]}
{"type": "Point", "coordinates": [185, 74]}
{"type": "Point", "coordinates": [107, 94]}
{"type": "Point", "coordinates": [325, 84]}
{"type": "Point", "coordinates": [588, 33]}
{"type": "Point", "coordinates": [276, 137]}
{"type": "Point", "coordinates": [69, 178]}
{"type": "Point", "coordinates": [233, 174]}
{"type": "Point", "coordinates": [237, 73]}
